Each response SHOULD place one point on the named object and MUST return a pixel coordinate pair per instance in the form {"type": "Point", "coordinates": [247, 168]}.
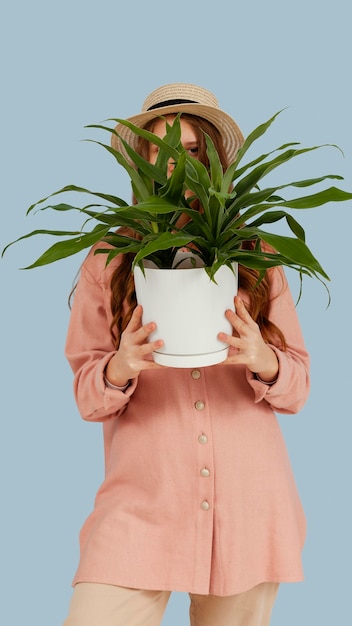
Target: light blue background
{"type": "Point", "coordinates": [68, 64]}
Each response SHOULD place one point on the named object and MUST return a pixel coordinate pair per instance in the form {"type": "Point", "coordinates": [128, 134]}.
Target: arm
{"type": "Point", "coordinates": [98, 367]}
{"type": "Point", "coordinates": [280, 377]}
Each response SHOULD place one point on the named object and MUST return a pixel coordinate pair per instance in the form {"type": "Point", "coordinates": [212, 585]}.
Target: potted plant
{"type": "Point", "coordinates": [228, 230]}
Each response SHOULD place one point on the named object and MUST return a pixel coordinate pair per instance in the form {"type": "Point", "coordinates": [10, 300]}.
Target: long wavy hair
{"type": "Point", "coordinates": [123, 296]}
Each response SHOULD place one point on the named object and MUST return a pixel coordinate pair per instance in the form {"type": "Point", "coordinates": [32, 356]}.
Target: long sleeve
{"type": "Point", "coordinates": [89, 345]}
{"type": "Point", "coordinates": [289, 393]}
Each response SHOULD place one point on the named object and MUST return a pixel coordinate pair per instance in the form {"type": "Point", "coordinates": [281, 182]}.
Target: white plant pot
{"type": "Point", "coordinates": [189, 311]}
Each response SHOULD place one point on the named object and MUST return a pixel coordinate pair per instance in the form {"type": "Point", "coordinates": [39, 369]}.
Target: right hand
{"type": "Point", "coordinates": [134, 352]}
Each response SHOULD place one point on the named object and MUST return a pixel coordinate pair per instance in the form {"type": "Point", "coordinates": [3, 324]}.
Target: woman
{"type": "Point", "coordinates": [198, 494]}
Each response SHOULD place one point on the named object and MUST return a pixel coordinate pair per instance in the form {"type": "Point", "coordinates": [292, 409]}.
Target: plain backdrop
{"type": "Point", "coordinates": [68, 64]}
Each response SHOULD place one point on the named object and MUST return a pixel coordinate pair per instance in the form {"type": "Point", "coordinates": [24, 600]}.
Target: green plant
{"type": "Point", "coordinates": [234, 209]}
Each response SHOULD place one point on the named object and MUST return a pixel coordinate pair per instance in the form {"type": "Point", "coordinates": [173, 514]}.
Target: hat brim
{"type": "Point", "coordinates": [231, 134]}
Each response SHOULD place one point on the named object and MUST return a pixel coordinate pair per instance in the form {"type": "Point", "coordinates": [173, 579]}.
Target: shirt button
{"type": "Point", "coordinates": [205, 472]}
{"type": "Point", "coordinates": [203, 439]}
{"type": "Point", "coordinates": [205, 505]}
{"type": "Point", "coordinates": [199, 405]}
{"type": "Point", "coordinates": [195, 374]}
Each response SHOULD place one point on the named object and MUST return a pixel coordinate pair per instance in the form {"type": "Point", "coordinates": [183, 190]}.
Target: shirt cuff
{"type": "Point", "coordinates": [111, 386]}
{"type": "Point", "coordinates": [266, 382]}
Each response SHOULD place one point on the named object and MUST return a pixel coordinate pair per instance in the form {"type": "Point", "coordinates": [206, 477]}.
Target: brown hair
{"type": "Point", "coordinates": [123, 297]}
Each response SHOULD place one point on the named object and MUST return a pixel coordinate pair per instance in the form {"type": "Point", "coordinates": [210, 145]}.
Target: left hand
{"type": "Point", "coordinates": [252, 350]}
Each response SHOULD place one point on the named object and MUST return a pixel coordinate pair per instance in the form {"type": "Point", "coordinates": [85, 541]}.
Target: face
{"type": "Point", "coordinates": [188, 138]}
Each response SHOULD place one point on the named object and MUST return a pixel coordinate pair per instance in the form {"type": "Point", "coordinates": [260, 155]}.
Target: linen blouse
{"type": "Point", "coordinates": [198, 494]}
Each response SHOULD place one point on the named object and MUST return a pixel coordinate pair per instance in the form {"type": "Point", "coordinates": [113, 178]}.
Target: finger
{"type": "Point", "coordinates": [148, 348]}
{"type": "Point", "coordinates": [142, 334]}
{"type": "Point", "coordinates": [135, 325]}
{"type": "Point", "coordinates": [241, 320]}
{"type": "Point", "coordinates": [136, 319]}
{"type": "Point", "coordinates": [235, 342]}
{"type": "Point", "coordinates": [241, 309]}
{"type": "Point", "coordinates": [236, 321]}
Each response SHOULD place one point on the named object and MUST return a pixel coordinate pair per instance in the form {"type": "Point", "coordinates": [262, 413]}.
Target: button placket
{"type": "Point", "coordinates": [204, 472]}
{"type": "Point", "coordinates": [205, 452]}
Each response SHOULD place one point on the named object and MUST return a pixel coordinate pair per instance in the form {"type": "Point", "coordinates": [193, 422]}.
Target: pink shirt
{"type": "Point", "coordinates": [198, 494]}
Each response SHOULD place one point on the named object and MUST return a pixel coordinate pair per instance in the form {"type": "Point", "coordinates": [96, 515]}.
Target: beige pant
{"type": "Point", "coordinates": [107, 605]}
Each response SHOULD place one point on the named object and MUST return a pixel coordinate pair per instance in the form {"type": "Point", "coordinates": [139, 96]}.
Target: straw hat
{"type": "Point", "coordinates": [184, 98]}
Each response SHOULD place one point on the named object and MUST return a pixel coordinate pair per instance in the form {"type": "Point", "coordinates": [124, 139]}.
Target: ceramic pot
{"type": "Point", "coordinates": [189, 311]}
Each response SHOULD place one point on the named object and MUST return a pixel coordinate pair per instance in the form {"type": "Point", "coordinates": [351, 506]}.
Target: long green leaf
{"type": "Point", "coordinates": [332, 194]}
{"type": "Point", "coordinates": [156, 204]}
{"type": "Point", "coordinates": [173, 188]}
{"type": "Point", "coordinates": [249, 181]}
{"type": "Point", "coordinates": [216, 170]}
{"type": "Point", "coordinates": [197, 180]}
{"type": "Point", "coordinates": [75, 189]}
{"type": "Point", "coordinates": [257, 197]}
{"type": "Point", "coordinates": [233, 171]}
{"type": "Point", "coordinates": [141, 190]}
{"type": "Point", "coordinates": [151, 171]}
{"type": "Point", "coordinates": [56, 233]}
{"type": "Point", "coordinates": [146, 134]}
{"type": "Point", "coordinates": [171, 140]}
{"type": "Point", "coordinates": [275, 216]}
{"type": "Point", "coordinates": [295, 250]}
{"type": "Point", "coordinates": [107, 216]}
{"type": "Point", "coordinates": [162, 242]}
{"type": "Point", "coordinates": [66, 248]}
{"type": "Point", "coordinates": [258, 132]}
